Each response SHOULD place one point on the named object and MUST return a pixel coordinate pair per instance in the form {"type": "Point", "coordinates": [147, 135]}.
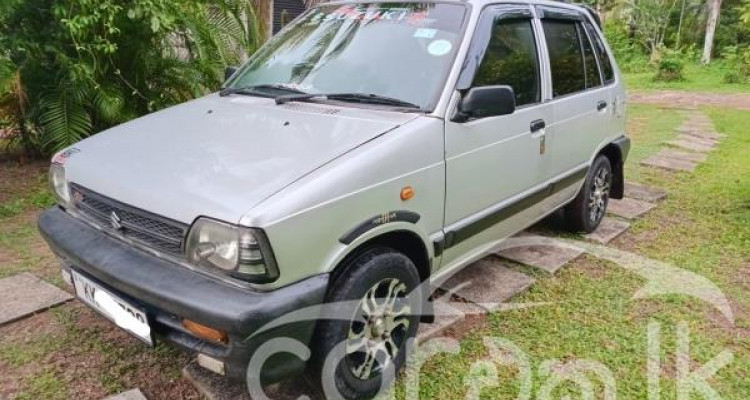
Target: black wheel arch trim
{"type": "Point", "coordinates": [376, 221]}
{"type": "Point", "coordinates": [622, 144]}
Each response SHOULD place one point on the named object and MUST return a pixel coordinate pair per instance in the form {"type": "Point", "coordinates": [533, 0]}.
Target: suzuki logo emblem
{"type": "Point", "coordinates": [114, 220]}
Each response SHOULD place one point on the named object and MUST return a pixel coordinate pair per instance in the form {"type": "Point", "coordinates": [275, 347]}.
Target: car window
{"type": "Point", "coordinates": [565, 56]}
{"type": "Point", "coordinates": [593, 79]}
{"type": "Point", "coordinates": [511, 59]}
{"type": "Point", "coordinates": [402, 50]}
{"type": "Point", "coordinates": [601, 51]}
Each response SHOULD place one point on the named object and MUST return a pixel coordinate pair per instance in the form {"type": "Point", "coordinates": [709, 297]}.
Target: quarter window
{"type": "Point", "coordinates": [511, 59]}
{"type": "Point", "coordinates": [565, 56]}
{"type": "Point", "coordinates": [604, 61]}
{"type": "Point", "coordinates": [593, 79]}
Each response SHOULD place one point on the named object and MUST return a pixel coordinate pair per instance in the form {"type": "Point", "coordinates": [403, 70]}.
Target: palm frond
{"type": "Point", "coordinates": [64, 120]}
{"type": "Point", "coordinates": [108, 103]}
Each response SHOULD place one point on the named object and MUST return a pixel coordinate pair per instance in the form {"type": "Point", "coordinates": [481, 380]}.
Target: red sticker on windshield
{"type": "Point", "coordinates": [397, 15]}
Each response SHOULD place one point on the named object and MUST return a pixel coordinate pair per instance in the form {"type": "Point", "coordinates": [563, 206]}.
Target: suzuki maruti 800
{"type": "Point", "coordinates": [366, 149]}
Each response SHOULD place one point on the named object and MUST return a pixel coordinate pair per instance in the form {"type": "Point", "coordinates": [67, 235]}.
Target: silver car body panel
{"type": "Point", "coordinates": [307, 173]}
{"type": "Point", "coordinates": [218, 156]}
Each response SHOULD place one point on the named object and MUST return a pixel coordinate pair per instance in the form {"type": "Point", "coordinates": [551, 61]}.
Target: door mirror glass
{"type": "Point", "coordinates": [228, 72]}
{"type": "Point", "coordinates": [486, 101]}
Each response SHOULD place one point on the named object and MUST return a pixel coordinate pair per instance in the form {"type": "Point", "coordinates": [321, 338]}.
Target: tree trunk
{"type": "Point", "coordinates": [264, 10]}
{"type": "Point", "coordinates": [713, 20]}
{"type": "Point", "coordinates": [679, 26]}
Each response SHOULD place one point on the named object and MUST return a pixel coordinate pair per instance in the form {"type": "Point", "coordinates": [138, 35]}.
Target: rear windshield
{"type": "Point", "coordinates": [399, 50]}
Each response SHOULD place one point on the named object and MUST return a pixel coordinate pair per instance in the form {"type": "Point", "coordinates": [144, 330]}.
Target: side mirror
{"type": "Point", "coordinates": [486, 101]}
{"type": "Point", "coordinates": [228, 72]}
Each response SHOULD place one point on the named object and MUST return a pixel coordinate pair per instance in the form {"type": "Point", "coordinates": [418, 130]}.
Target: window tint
{"type": "Point", "coordinates": [593, 79]}
{"type": "Point", "coordinates": [565, 56]}
{"type": "Point", "coordinates": [604, 62]}
{"type": "Point", "coordinates": [511, 59]}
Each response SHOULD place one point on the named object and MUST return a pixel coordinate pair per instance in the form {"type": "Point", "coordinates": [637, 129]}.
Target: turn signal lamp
{"type": "Point", "coordinates": [204, 332]}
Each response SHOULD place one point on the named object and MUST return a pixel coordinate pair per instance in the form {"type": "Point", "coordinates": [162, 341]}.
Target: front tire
{"type": "Point", "coordinates": [375, 300]}
{"type": "Point", "coordinates": [586, 211]}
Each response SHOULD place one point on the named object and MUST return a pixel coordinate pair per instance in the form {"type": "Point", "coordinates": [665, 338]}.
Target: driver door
{"type": "Point", "coordinates": [495, 165]}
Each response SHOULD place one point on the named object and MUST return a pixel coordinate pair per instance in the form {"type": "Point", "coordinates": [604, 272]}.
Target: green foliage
{"type": "Point", "coordinates": [739, 62]}
{"type": "Point", "coordinates": [669, 67]}
{"type": "Point", "coordinates": [629, 55]}
{"type": "Point", "coordinates": [639, 30]}
{"type": "Point", "coordinates": [81, 66]}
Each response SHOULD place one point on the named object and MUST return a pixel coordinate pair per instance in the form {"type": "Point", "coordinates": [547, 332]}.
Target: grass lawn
{"type": "Point", "coordinates": [68, 352]}
{"type": "Point", "coordinates": [696, 78]}
{"type": "Point", "coordinates": [703, 226]}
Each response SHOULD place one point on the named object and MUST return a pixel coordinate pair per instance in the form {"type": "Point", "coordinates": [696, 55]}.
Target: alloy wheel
{"type": "Point", "coordinates": [599, 194]}
{"type": "Point", "coordinates": [378, 329]}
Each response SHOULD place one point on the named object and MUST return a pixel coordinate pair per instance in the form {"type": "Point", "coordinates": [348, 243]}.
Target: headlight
{"type": "Point", "coordinates": [236, 251]}
{"type": "Point", "coordinates": [58, 184]}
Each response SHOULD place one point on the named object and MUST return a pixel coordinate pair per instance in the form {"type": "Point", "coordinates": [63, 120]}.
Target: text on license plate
{"type": "Point", "coordinates": [122, 313]}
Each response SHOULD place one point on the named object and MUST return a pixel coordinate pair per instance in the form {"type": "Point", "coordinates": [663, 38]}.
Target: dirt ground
{"type": "Point", "coordinates": [69, 352]}
{"type": "Point", "coordinates": [681, 99]}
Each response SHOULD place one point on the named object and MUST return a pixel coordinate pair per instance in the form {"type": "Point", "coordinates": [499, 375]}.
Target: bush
{"type": "Point", "coordinates": [630, 56]}
{"type": "Point", "coordinates": [738, 61]}
{"type": "Point", "coordinates": [669, 67]}
{"type": "Point", "coordinates": [71, 68]}
{"type": "Point", "coordinates": [735, 76]}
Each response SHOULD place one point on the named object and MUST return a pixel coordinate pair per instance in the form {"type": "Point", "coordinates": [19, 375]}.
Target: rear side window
{"type": "Point", "coordinates": [593, 79]}
{"type": "Point", "coordinates": [565, 56]}
{"type": "Point", "coordinates": [511, 59]}
{"type": "Point", "coordinates": [604, 62]}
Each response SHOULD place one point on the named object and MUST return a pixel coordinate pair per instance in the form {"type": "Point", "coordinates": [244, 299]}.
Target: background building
{"type": "Point", "coordinates": [276, 13]}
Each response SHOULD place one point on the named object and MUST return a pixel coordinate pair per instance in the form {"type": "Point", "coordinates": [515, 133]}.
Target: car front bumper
{"type": "Point", "coordinates": [170, 292]}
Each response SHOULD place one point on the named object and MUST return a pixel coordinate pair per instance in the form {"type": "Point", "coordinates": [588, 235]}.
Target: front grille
{"type": "Point", "coordinates": [152, 230]}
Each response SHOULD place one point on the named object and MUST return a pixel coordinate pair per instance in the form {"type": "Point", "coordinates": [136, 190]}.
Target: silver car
{"type": "Point", "coordinates": [368, 149]}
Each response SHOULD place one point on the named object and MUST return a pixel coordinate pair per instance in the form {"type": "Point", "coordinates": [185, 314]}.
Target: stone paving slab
{"type": "Point", "coordinates": [488, 282]}
{"type": "Point", "coordinates": [608, 230]}
{"type": "Point", "coordinates": [629, 208]}
{"type": "Point", "coordinates": [701, 133]}
{"type": "Point", "coordinates": [216, 387]}
{"type": "Point", "coordinates": [134, 394]}
{"type": "Point", "coordinates": [683, 155]}
{"type": "Point", "coordinates": [697, 140]}
{"type": "Point", "coordinates": [213, 386]}
{"type": "Point", "coordinates": [690, 145]}
{"type": "Point", "coordinates": [25, 294]}
{"type": "Point", "coordinates": [670, 164]}
{"type": "Point", "coordinates": [698, 123]}
{"type": "Point", "coordinates": [445, 317]}
{"type": "Point", "coordinates": [642, 192]}
{"type": "Point", "coordinates": [549, 258]}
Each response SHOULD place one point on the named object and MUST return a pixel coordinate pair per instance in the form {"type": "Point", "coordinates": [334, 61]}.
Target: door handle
{"type": "Point", "coordinates": [601, 105]}
{"type": "Point", "coordinates": [537, 125]}
{"type": "Point", "coordinates": [537, 131]}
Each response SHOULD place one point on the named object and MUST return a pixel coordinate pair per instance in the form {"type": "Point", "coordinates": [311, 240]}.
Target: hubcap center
{"type": "Point", "coordinates": [378, 327]}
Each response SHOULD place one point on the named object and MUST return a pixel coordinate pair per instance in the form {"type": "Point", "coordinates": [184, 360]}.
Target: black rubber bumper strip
{"type": "Point", "coordinates": [170, 286]}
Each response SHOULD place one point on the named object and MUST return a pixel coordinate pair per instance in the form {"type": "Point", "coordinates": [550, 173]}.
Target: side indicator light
{"type": "Point", "coordinates": [204, 331]}
{"type": "Point", "coordinates": [407, 193]}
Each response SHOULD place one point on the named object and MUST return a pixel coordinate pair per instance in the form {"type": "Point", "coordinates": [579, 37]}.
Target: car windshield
{"type": "Point", "coordinates": [401, 51]}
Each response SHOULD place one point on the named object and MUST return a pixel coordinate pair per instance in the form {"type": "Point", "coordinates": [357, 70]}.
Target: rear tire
{"type": "Point", "coordinates": [376, 300]}
{"type": "Point", "coordinates": [586, 211]}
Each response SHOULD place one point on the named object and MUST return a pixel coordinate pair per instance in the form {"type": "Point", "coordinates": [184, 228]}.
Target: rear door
{"type": "Point", "coordinates": [581, 103]}
{"type": "Point", "coordinates": [607, 70]}
{"type": "Point", "coordinates": [494, 161]}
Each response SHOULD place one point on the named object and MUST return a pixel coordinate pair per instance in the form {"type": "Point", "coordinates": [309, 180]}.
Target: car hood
{"type": "Point", "coordinates": [220, 156]}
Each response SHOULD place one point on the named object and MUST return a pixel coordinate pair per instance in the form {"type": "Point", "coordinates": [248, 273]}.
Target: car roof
{"type": "Point", "coordinates": [476, 3]}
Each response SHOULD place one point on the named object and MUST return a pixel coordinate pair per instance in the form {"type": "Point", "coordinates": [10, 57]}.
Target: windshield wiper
{"type": "Point", "coordinates": [364, 98]}
{"type": "Point", "coordinates": [260, 90]}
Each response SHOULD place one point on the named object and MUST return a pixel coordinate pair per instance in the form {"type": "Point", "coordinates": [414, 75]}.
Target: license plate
{"type": "Point", "coordinates": [122, 313]}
